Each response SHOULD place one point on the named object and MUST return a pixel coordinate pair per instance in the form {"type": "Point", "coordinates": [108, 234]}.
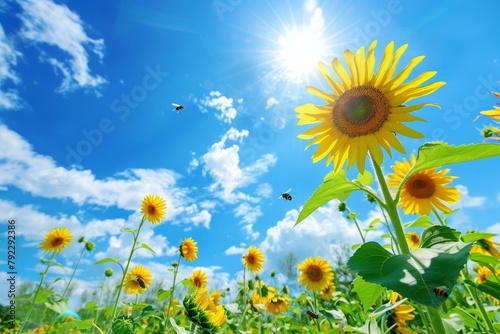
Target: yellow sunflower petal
{"type": "Point", "coordinates": [351, 65]}
{"type": "Point", "coordinates": [405, 73]}
{"type": "Point", "coordinates": [336, 87]}
{"type": "Point", "coordinates": [386, 60]}
{"type": "Point", "coordinates": [342, 73]}
{"type": "Point", "coordinates": [392, 68]}
{"type": "Point", "coordinates": [319, 93]}
{"type": "Point", "coordinates": [360, 61]}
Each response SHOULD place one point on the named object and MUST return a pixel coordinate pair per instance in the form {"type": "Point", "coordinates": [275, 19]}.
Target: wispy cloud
{"type": "Point", "coordinates": [248, 215]}
{"type": "Point", "coordinates": [223, 165]}
{"type": "Point", "coordinates": [9, 98]}
{"type": "Point", "coordinates": [224, 105]}
{"type": "Point", "coordinates": [40, 176]}
{"type": "Point", "coordinates": [44, 21]}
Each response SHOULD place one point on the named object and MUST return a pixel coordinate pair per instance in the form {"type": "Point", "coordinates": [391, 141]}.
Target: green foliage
{"type": "Point", "coordinates": [367, 292]}
{"type": "Point", "coordinates": [415, 275]}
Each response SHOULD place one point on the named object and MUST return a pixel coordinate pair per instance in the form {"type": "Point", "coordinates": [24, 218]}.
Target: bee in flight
{"type": "Point", "coordinates": [440, 292]}
{"type": "Point", "coordinates": [178, 107]}
{"type": "Point", "coordinates": [312, 315]}
{"type": "Point", "coordinates": [141, 282]}
{"type": "Point", "coordinates": [286, 195]}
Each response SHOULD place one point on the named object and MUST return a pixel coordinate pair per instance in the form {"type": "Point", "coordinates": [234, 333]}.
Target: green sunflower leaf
{"type": "Point", "coordinates": [490, 288]}
{"type": "Point", "coordinates": [437, 154]}
{"type": "Point", "coordinates": [146, 246]}
{"type": "Point", "coordinates": [107, 260]}
{"type": "Point", "coordinates": [368, 293]}
{"type": "Point", "coordinates": [417, 274]}
{"type": "Point", "coordinates": [422, 221]}
{"type": "Point", "coordinates": [161, 295]}
{"type": "Point", "coordinates": [335, 186]}
{"type": "Point", "coordinates": [474, 236]}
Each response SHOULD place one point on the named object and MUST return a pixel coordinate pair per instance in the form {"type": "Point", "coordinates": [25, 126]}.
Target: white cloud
{"type": "Point", "coordinates": [467, 201]}
{"type": "Point", "coordinates": [44, 21]}
{"type": "Point", "coordinates": [193, 164]}
{"type": "Point", "coordinates": [234, 250]}
{"type": "Point", "coordinates": [264, 190]}
{"type": "Point", "coordinates": [318, 235]}
{"type": "Point", "coordinates": [249, 215]}
{"type": "Point", "coordinates": [9, 99]}
{"type": "Point", "coordinates": [223, 165]}
{"type": "Point", "coordinates": [217, 101]}
{"type": "Point", "coordinates": [40, 176]}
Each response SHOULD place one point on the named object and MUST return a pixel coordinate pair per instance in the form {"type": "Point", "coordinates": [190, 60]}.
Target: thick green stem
{"type": "Point", "coordinates": [36, 293]}
{"type": "Point", "coordinates": [392, 210]}
{"type": "Point", "coordinates": [480, 307]}
{"type": "Point", "coordinates": [120, 287]}
{"type": "Point", "coordinates": [172, 290]}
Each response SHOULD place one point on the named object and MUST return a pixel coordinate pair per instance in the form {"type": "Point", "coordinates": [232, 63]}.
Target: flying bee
{"type": "Point", "coordinates": [286, 195]}
{"type": "Point", "coordinates": [440, 292]}
{"type": "Point", "coordinates": [141, 282]}
{"type": "Point", "coordinates": [312, 315]}
{"type": "Point", "coordinates": [178, 107]}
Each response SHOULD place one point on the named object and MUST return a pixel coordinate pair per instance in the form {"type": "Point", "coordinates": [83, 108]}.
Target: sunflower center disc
{"type": "Point", "coordinates": [361, 110]}
{"type": "Point", "coordinates": [151, 209]}
{"type": "Point", "coordinates": [315, 274]}
{"type": "Point", "coordinates": [57, 241]}
{"type": "Point", "coordinates": [420, 186]}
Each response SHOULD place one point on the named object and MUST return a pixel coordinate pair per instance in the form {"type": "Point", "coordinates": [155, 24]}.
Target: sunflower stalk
{"type": "Point", "coordinates": [172, 290]}
{"type": "Point", "coordinates": [74, 272]}
{"type": "Point", "coordinates": [392, 211]}
{"type": "Point", "coordinates": [479, 306]}
{"type": "Point", "coordinates": [136, 236]}
{"type": "Point", "coordinates": [37, 291]}
{"type": "Point", "coordinates": [441, 221]}
{"type": "Point", "coordinates": [353, 218]}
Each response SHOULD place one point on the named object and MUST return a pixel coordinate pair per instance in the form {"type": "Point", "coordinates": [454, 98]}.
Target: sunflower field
{"type": "Point", "coordinates": [440, 280]}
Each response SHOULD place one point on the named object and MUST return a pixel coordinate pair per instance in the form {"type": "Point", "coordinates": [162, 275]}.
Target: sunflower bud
{"type": "Point", "coordinates": [108, 272]}
{"type": "Point", "coordinates": [89, 245]}
{"type": "Point", "coordinates": [342, 207]}
{"type": "Point", "coordinates": [81, 239]}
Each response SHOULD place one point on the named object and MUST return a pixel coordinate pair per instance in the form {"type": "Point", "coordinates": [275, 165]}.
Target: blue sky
{"type": "Point", "coordinates": [87, 127]}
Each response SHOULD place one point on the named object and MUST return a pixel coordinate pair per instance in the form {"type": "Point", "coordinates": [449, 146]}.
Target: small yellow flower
{"type": "Point", "coordinates": [199, 278]}
{"type": "Point", "coordinates": [253, 259]}
{"type": "Point", "coordinates": [261, 295]}
{"type": "Point", "coordinates": [402, 313]}
{"type": "Point", "coordinates": [413, 240]}
{"type": "Point", "coordinates": [138, 280]}
{"type": "Point", "coordinates": [486, 246]}
{"type": "Point", "coordinates": [495, 112]}
{"type": "Point", "coordinates": [215, 296]}
{"type": "Point", "coordinates": [424, 190]}
{"type": "Point", "coordinates": [327, 292]}
{"type": "Point", "coordinates": [56, 240]}
{"type": "Point", "coordinates": [153, 208]}
{"type": "Point", "coordinates": [315, 274]}
{"type": "Point", "coordinates": [189, 250]}
{"type": "Point", "coordinates": [278, 304]}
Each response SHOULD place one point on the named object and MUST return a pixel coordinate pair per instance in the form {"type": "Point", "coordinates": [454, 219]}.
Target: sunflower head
{"type": "Point", "coordinates": [413, 240]}
{"type": "Point", "coordinates": [400, 314]}
{"type": "Point", "coordinates": [253, 259]}
{"type": "Point", "coordinates": [138, 280]}
{"type": "Point", "coordinates": [423, 191]}
{"type": "Point", "coordinates": [203, 312]}
{"type": "Point", "coordinates": [261, 295]}
{"type": "Point", "coordinates": [278, 304]}
{"type": "Point", "coordinates": [153, 208]}
{"type": "Point", "coordinates": [215, 296]}
{"type": "Point", "coordinates": [56, 240]}
{"type": "Point", "coordinates": [365, 109]}
{"type": "Point", "coordinates": [199, 278]}
{"type": "Point", "coordinates": [327, 292]}
{"type": "Point", "coordinates": [486, 246]}
{"type": "Point", "coordinates": [189, 250]}
{"type": "Point", "coordinates": [315, 274]}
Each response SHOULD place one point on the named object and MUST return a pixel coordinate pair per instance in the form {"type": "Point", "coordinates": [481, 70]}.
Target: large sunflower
{"type": "Point", "coordinates": [199, 278]}
{"type": "Point", "coordinates": [153, 208]}
{"type": "Point", "coordinates": [315, 273]}
{"type": "Point", "coordinates": [253, 259]}
{"type": "Point", "coordinates": [56, 240]}
{"type": "Point", "coordinates": [138, 280]}
{"type": "Point", "coordinates": [278, 304]}
{"type": "Point", "coordinates": [366, 110]}
{"type": "Point", "coordinates": [189, 250]}
{"type": "Point", "coordinates": [424, 190]}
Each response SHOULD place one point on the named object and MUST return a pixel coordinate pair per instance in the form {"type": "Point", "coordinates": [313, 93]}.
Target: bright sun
{"type": "Point", "coordinates": [300, 53]}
